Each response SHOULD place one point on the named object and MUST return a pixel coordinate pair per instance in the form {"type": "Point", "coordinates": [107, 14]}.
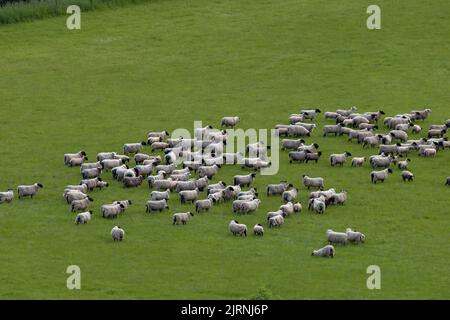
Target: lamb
{"type": "Point", "coordinates": [91, 173]}
{"type": "Point", "coordinates": [278, 189]}
{"type": "Point", "coordinates": [117, 233]}
{"type": "Point", "coordinates": [129, 182]}
{"type": "Point", "coordinates": [313, 156]}
{"type": "Point", "coordinates": [298, 155]}
{"type": "Point", "coordinates": [151, 179]}
{"type": "Point", "coordinates": [358, 161]}
{"type": "Point", "coordinates": [105, 155]}
{"type": "Point", "coordinates": [327, 251]}
{"type": "Point", "coordinates": [291, 143]}
{"type": "Point", "coordinates": [77, 161]}
{"type": "Point", "coordinates": [28, 190]}
{"type": "Point", "coordinates": [355, 236]}
{"type": "Point", "coordinates": [182, 217]}
{"type": "Point", "coordinates": [339, 159]}
{"type": "Point", "coordinates": [276, 221]}
{"type": "Point", "coordinates": [204, 204]}
{"type": "Point", "coordinates": [80, 205]}
{"type": "Point", "coordinates": [313, 182]}
{"type": "Point", "coordinates": [83, 217]}
{"type": "Point", "coordinates": [6, 196]}
{"type": "Point", "coordinates": [111, 210]}
{"type": "Point", "coordinates": [310, 114]}
{"type": "Point", "coordinates": [156, 205]}
{"type": "Point", "coordinates": [258, 230]}
{"type": "Point", "coordinates": [376, 176]}
{"type": "Point", "coordinates": [407, 175]}
{"type": "Point", "coordinates": [237, 228]}
{"type": "Point", "coordinates": [229, 121]}
{"type": "Point", "coordinates": [245, 207]}
{"type": "Point", "coordinates": [208, 171]}
{"type": "Point", "coordinates": [108, 164]}
{"type": "Point", "coordinates": [133, 147]}
{"type": "Point", "coordinates": [289, 195]}
{"type": "Point", "coordinates": [339, 198]}
{"type": "Point", "coordinates": [244, 180]}
{"type": "Point", "coordinates": [336, 237]}
{"type": "Point", "coordinates": [70, 156]}
{"type": "Point", "coordinates": [160, 195]}
{"type": "Point", "coordinates": [189, 195]}
{"type": "Point", "coordinates": [403, 165]}
{"type": "Point", "coordinates": [399, 135]}
{"type": "Point", "coordinates": [336, 129]}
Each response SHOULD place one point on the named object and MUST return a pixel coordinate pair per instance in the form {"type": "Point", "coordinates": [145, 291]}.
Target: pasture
{"type": "Point", "coordinates": [165, 64]}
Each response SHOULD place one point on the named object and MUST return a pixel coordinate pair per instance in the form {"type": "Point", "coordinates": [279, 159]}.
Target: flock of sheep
{"type": "Point", "coordinates": [204, 155]}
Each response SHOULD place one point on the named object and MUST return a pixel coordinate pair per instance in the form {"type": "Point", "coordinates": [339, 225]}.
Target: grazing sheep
{"type": "Point", "coordinates": [339, 159]}
{"type": "Point", "coordinates": [216, 197]}
{"type": "Point", "coordinates": [151, 140]}
{"type": "Point", "coordinates": [77, 161]}
{"type": "Point", "coordinates": [313, 182]}
{"type": "Point", "coordinates": [276, 221]}
{"type": "Point", "coordinates": [336, 237]}
{"type": "Point", "coordinates": [237, 228]}
{"type": "Point", "coordinates": [229, 121]}
{"type": "Point", "coordinates": [111, 210]}
{"type": "Point", "coordinates": [182, 217]}
{"type": "Point", "coordinates": [358, 161]}
{"type": "Point", "coordinates": [416, 129]}
{"type": "Point", "coordinates": [313, 147]}
{"type": "Point", "coordinates": [258, 230]}
{"type": "Point", "coordinates": [399, 135]}
{"type": "Point", "coordinates": [318, 205]}
{"type": "Point", "coordinates": [164, 184]}
{"type": "Point", "coordinates": [151, 179]}
{"type": "Point", "coordinates": [185, 185]}
{"type": "Point", "coordinates": [291, 143]}
{"type": "Point", "coordinates": [297, 207]}
{"type": "Point", "coordinates": [80, 205]}
{"type": "Point", "coordinates": [160, 195]}
{"type": "Point", "coordinates": [348, 112]}
{"type": "Point", "coordinates": [244, 207]}
{"type": "Point", "coordinates": [139, 158]}
{"type": "Point", "coordinates": [159, 134]}
{"type": "Point", "coordinates": [90, 183]}
{"type": "Point", "coordinates": [91, 173]}
{"type": "Point", "coordinates": [327, 251]}
{"type": "Point", "coordinates": [6, 196]}
{"type": "Point", "coordinates": [369, 126]}
{"type": "Point", "coordinates": [308, 126]}
{"type": "Point", "coordinates": [293, 118]}
{"type": "Point", "coordinates": [125, 203]}
{"type": "Point", "coordinates": [313, 156]}
{"type": "Point", "coordinates": [287, 208]}
{"type": "Point", "coordinates": [71, 195]}
{"type": "Point", "coordinates": [278, 189]}
{"type": "Point", "coordinates": [83, 217]}
{"type": "Point", "coordinates": [133, 147]}
{"type": "Point", "coordinates": [108, 164]}
{"type": "Point", "coordinates": [310, 114]}
{"type": "Point", "coordinates": [274, 213]}
{"type": "Point", "coordinates": [70, 156]}
{"type": "Point", "coordinates": [372, 141]}
{"type": "Point", "coordinates": [144, 170]}
{"type": "Point", "coordinates": [403, 165]}
{"type": "Point", "coordinates": [129, 182]}
{"type": "Point", "coordinates": [331, 115]}
{"type": "Point", "coordinates": [355, 236]}
{"type": "Point", "coordinates": [381, 161]}
{"type": "Point", "coordinates": [231, 192]}
{"type": "Point", "coordinates": [420, 114]}
{"type": "Point", "coordinates": [204, 204]}
{"type": "Point", "coordinates": [189, 195]}
{"type": "Point", "coordinates": [202, 183]}
{"type": "Point", "coordinates": [289, 195]}
{"type": "Point", "coordinates": [429, 152]}
{"type": "Point", "coordinates": [326, 194]}
{"type": "Point", "coordinates": [105, 155]}
{"type": "Point", "coordinates": [298, 131]}
{"type": "Point", "coordinates": [118, 173]}
{"type": "Point", "coordinates": [244, 180]}
{"type": "Point", "coordinates": [156, 205]}
{"type": "Point", "coordinates": [122, 157]}
{"type": "Point", "coordinates": [339, 198]}
{"type": "Point", "coordinates": [208, 171]}
{"type": "Point", "coordinates": [28, 190]}
{"type": "Point", "coordinates": [90, 166]}
{"type": "Point", "coordinates": [117, 233]}
{"type": "Point", "coordinates": [251, 191]}
{"type": "Point", "coordinates": [298, 155]}
{"type": "Point", "coordinates": [380, 175]}
{"type": "Point", "coordinates": [407, 175]}
{"type": "Point", "coordinates": [436, 133]}
{"type": "Point", "coordinates": [336, 129]}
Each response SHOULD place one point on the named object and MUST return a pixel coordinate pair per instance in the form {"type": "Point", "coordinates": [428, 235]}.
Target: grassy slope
{"type": "Point", "coordinates": [129, 69]}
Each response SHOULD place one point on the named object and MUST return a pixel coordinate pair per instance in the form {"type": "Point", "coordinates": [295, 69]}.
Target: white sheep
{"type": "Point", "coordinates": [156, 205]}
{"type": "Point", "coordinates": [313, 182]}
{"type": "Point", "coordinates": [237, 228]}
{"type": "Point", "coordinates": [336, 237]}
{"type": "Point", "coordinates": [339, 159]}
{"type": "Point", "coordinates": [358, 161]}
{"type": "Point", "coordinates": [80, 205]}
{"type": "Point", "coordinates": [28, 190]}
{"type": "Point", "coordinates": [204, 204]}
{"type": "Point", "coordinates": [407, 175]}
{"type": "Point", "coordinates": [160, 195]}
{"type": "Point", "coordinates": [355, 236]}
{"type": "Point", "coordinates": [229, 121]}
{"type": "Point", "coordinates": [289, 195]}
{"type": "Point", "coordinates": [117, 233]}
{"type": "Point", "coordinates": [380, 175]}
{"type": "Point", "coordinates": [258, 230]}
{"type": "Point", "coordinates": [6, 196]}
{"type": "Point", "coordinates": [182, 217]}
{"type": "Point", "coordinates": [327, 251]}
{"type": "Point", "coordinates": [83, 217]}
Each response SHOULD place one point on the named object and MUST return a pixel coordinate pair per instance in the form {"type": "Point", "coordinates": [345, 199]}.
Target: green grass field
{"type": "Point", "coordinates": [165, 64]}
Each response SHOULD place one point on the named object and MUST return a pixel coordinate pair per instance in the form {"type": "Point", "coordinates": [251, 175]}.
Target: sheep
{"type": "Point", "coordinates": [380, 175]}
{"type": "Point", "coordinates": [297, 207]}
{"type": "Point", "coordinates": [160, 195]}
{"type": "Point", "coordinates": [117, 233]}
{"type": "Point", "coordinates": [91, 173]}
{"type": "Point", "coordinates": [151, 179]}
{"type": "Point", "coordinates": [416, 129]}
{"type": "Point", "coordinates": [318, 205]}
{"type": "Point", "coordinates": [204, 204]}
{"type": "Point", "coordinates": [128, 173]}
{"type": "Point", "coordinates": [311, 148]}
{"type": "Point", "coordinates": [325, 194]}
{"type": "Point", "coordinates": [70, 156]}
{"type": "Point", "coordinates": [251, 191]}
{"type": "Point", "coordinates": [404, 126]}
{"type": "Point", "coordinates": [327, 251]}
{"type": "Point", "coordinates": [331, 115]}
{"type": "Point", "coordinates": [339, 198]}
{"type": "Point", "coordinates": [170, 156]}
{"type": "Point", "coordinates": [218, 185]}
{"type": "Point", "coordinates": [105, 155]}
{"type": "Point", "coordinates": [428, 152]}
{"type": "Point", "coordinates": [403, 149]}
{"type": "Point", "coordinates": [229, 121]}
{"type": "Point", "coordinates": [119, 172]}
{"type": "Point", "coordinates": [313, 156]}
{"type": "Point", "coordinates": [372, 141]}
{"type": "Point", "coordinates": [247, 197]}
{"type": "Point", "coordinates": [156, 205]}
{"type": "Point", "coordinates": [245, 207]}
{"type": "Point", "coordinates": [308, 126]}
{"type": "Point", "coordinates": [185, 185]}
{"type": "Point", "coordinates": [208, 171]}
{"type": "Point", "coordinates": [237, 228]}
{"type": "Point", "coordinates": [90, 183]}
{"type": "Point", "coordinates": [276, 221]}
{"type": "Point", "coordinates": [403, 165]}
{"type": "Point", "coordinates": [420, 114]}
{"type": "Point", "coordinates": [189, 195]}
{"type": "Point", "coordinates": [108, 164]}
{"type": "Point", "coordinates": [291, 143]}
{"type": "Point", "coordinates": [274, 213]}
{"type": "Point", "coordinates": [202, 183]}
{"type": "Point", "coordinates": [216, 197]}
{"type": "Point", "coordinates": [336, 129]}
{"type": "Point", "coordinates": [293, 118]}
{"type": "Point", "coordinates": [407, 175]}
{"type": "Point", "coordinates": [258, 230]}
{"type": "Point", "coordinates": [182, 217]}
{"type": "Point", "coordinates": [90, 166]}
{"type": "Point", "coordinates": [355, 236]}
{"type": "Point", "coordinates": [133, 147]}
{"type": "Point", "coordinates": [369, 126]}
{"type": "Point", "coordinates": [348, 112]}
{"type": "Point", "coordinates": [192, 165]}
{"type": "Point", "coordinates": [298, 155]}
{"type": "Point", "coordinates": [77, 161]}
{"type": "Point", "coordinates": [358, 161]}
{"type": "Point", "coordinates": [358, 120]}
{"type": "Point", "coordinates": [399, 135]}
{"type": "Point", "coordinates": [336, 237]}
{"type": "Point", "coordinates": [310, 114]}
{"type": "Point", "coordinates": [71, 195]}
{"type": "Point", "coordinates": [181, 171]}
{"type": "Point", "coordinates": [164, 184]}
{"type": "Point", "coordinates": [139, 158]}
{"type": "Point", "coordinates": [339, 159]}
{"type": "Point", "coordinates": [313, 182]}
{"type": "Point", "coordinates": [80, 205]}
{"type": "Point", "coordinates": [125, 203]}
{"type": "Point", "coordinates": [244, 180]}
{"type": "Point", "coordinates": [277, 189]}
{"type": "Point", "coordinates": [388, 149]}
{"type": "Point", "coordinates": [287, 208]}
{"type": "Point", "coordinates": [111, 210]}
{"type": "Point", "coordinates": [381, 161]}
{"type": "Point", "coordinates": [258, 149]}
{"type": "Point", "coordinates": [433, 133]}
{"type": "Point", "coordinates": [28, 190]}
{"type": "Point", "coordinates": [447, 181]}
{"type": "Point", "coordinates": [122, 157]}
{"type": "Point", "coordinates": [144, 170]}
{"type": "Point", "coordinates": [199, 133]}
{"type": "Point", "coordinates": [129, 182]}
{"type": "Point", "coordinates": [83, 217]}
{"type": "Point", "coordinates": [6, 196]}
{"type": "Point", "coordinates": [159, 134]}
{"type": "Point", "coordinates": [289, 195]}
{"type": "Point", "coordinates": [298, 131]}
{"type": "Point", "coordinates": [231, 192]}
